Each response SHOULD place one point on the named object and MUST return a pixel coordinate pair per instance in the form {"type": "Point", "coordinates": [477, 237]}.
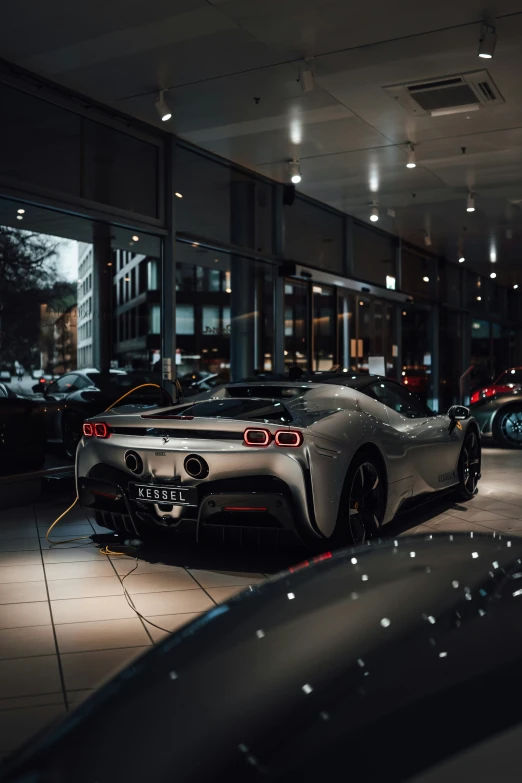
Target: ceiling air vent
{"type": "Point", "coordinates": [447, 95]}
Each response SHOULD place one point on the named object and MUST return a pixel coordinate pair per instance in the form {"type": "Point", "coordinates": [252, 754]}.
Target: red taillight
{"type": "Point", "coordinates": [257, 437]}
{"type": "Point", "coordinates": [490, 391]}
{"type": "Point", "coordinates": [101, 430]}
{"type": "Point", "coordinates": [42, 380]}
{"type": "Point", "coordinates": [88, 430]}
{"type": "Point", "coordinates": [288, 439]}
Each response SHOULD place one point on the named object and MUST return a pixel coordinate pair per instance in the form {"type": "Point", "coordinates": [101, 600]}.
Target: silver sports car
{"type": "Point", "coordinates": [331, 460]}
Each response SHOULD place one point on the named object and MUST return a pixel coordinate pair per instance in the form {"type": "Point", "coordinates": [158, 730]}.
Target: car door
{"type": "Point", "coordinates": [431, 445]}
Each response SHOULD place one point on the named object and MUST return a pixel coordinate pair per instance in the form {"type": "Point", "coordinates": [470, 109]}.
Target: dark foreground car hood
{"type": "Point", "coordinates": [373, 664]}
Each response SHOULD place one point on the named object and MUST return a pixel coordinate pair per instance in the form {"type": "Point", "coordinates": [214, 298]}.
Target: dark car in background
{"type": "Point", "coordinates": [22, 432]}
{"type": "Point", "coordinates": [392, 662]}
{"type": "Point", "coordinates": [80, 394]}
{"type": "Point", "coordinates": [498, 409]}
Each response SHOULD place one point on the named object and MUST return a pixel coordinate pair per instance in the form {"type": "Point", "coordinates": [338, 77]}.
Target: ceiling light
{"type": "Point", "coordinates": [135, 238]}
{"type": "Point", "coordinates": [162, 107]}
{"type": "Point", "coordinates": [306, 78]}
{"type": "Point", "coordinates": [411, 161]}
{"type": "Point", "coordinates": [493, 275]}
{"type": "Point", "coordinates": [479, 298]}
{"type": "Point", "coordinates": [178, 195]}
{"type": "Point", "coordinates": [19, 217]}
{"type": "Point", "coordinates": [461, 260]}
{"type": "Point", "coordinates": [470, 207]}
{"type": "Point", "coordinates": [21, 211]}
{"type": "Point", "coordinates": [295, 172]}
{"type": "Point", "coordinates": [488, 41]}
{"type": "Point", "coordinates": [515, 286]}
{"type": "Point", "coordinates": [374, 215]}
{"type": "Point", "coordinates": [426, 279]}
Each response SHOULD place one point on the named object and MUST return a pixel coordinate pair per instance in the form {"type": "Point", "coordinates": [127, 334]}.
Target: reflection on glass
{"type": "Point", "coordinates": [296, 320]}
{"type": "Point", "coordinates": [323, 327]}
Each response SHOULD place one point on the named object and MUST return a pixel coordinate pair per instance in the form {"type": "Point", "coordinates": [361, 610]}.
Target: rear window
{"type": "Point", "coordinates": [267, 392]}
{"type": "Point", "coordinates": [268, 411]}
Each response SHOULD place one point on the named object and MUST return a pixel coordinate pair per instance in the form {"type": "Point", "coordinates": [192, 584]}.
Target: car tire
{"type": "Point", "coordinates": [507, 427]}
{"type": "Point", "coordinates": [71, 435]}
{"type": "Point", "coordinates": [363, 502]}
{"type": "Point", "coordinates": [469, 466]}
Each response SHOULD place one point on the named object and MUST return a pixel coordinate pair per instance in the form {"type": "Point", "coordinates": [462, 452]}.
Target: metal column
{"type": "Point", "coordinates": [102, 274]}
{"type": "Point", "coordinates": [168, 287]}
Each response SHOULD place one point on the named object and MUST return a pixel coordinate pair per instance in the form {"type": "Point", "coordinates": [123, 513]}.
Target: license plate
{"type": "Point", "coordinates": [154, 493]}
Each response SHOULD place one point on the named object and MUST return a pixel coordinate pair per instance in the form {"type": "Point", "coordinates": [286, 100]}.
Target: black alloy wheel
{"type": "Point", "coordinates": [469, 466]}
{"type": "Point", "coordinates": [363, 502]}
{"type": "Point", "coordinates": [71, 435]}
{"type": "Point", "coordinates": [507, 428]}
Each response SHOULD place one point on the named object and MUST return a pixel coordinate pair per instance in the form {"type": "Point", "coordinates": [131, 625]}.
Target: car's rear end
{"type": "Point", "coordinates": [221, 464]}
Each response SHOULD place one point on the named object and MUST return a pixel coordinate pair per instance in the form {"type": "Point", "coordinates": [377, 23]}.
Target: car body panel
{"type": "Point", "coordinates": [281, 690]}
{"type": "Point", "coordinates": [485, 411]}
{"type": "Point", "coordinates": [336, 421]}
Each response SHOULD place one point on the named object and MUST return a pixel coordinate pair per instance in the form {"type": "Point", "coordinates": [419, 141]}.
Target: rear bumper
{"type": "Point", "coordinates": [250, 503]}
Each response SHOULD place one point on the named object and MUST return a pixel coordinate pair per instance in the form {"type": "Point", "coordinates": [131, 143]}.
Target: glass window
{"type": "Point", "coordinates": [211, 319]}
{"type": "Point", "coordinates": [296, 324]}
{"type": "Point", "coordinates": [398, 399]}
{"type": "Point", "coordinates": [314, 236]}
{"type": "Point", "coordinates": [63, 385]}
{"type": "Point", "coordinates": [374, 254]}
{"type": "Point", "coordinates": [120, 170]}
{"type": "Point", "coordinates": [346, 328]}
{"type": "Point", "coordinates": [184, 319]}
{"type": "Point", "coordinates": [324, 337]}
{"type": "Point", "coordinates": [417, 349]}
{"type": "Point", "coordinates": [152, 275]}
{"type": "Point", "coordinates": [450, 283]}
{"type": "Point", "coordinates": [155, 320]}
{"type": "Point", "coordinates": [245, 410]}
{"type": "Point", "coordinates": [418, 273]}
{"type": "Point", "coordinates": [220, 202]}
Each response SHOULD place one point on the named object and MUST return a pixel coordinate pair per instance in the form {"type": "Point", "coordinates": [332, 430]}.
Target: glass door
{"type": "Point", "coordinates": [297, 322]}
{"type": "Point", "coordinates": [323, 328]}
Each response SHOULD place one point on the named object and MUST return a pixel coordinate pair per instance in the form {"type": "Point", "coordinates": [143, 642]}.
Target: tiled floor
{"type": "Point", "coordinates": [65, 624]}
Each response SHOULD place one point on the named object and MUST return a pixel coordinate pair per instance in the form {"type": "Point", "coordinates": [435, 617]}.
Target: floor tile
{"type": "Point", "coordinates": [20, 558]}
{"type": "Point", "coordinates": [18, 726]}
{"type": "Point", "coordinates": [220, 594]}
{"type": "Point", "coordinates": [74, 698]}
{"type": "Point", "coordinates": [18, 513]}
{"type": "Point", "coordinates": [24, 615]}
{"type": "Point", "coordinates": [175, 602]}
{"type": "Point", "coordinates": [66, 532]}
{"type": "Point", "coordinates": [101, 635]}
{"type": "Point", "coordinates": [224, 578]}
{"type": "Point", "coordinates": [72, 554]}
{"type": "Point", "coordinates": [458, 526]}
{"type": "Point", "coordinates": [473, 514]}
{"type": "Point", "coordinates": [21, 573]}
{"type": "Point", "coordinates": [124, 565]}
{"type": "Point", "coordinates": [169, 623]}
{"type": "Point", "coordinates": [22, 592]}
{"type": "Point", "coordinates": [29, 676]}
{"type": "Point", "coordinates": [42, 700]}
{"type": "Point", "coordinates": [19, 544]}
{"type": "Point", "coordinates": [25, 642]}
{"type": "Point", "coordinates": [89, 669]}
{"type": "Point", "coordinates": [10, 532]}
{"type": "Point", "coordinates": [80, 570]}
{"type": "Point", "coordinates": [84, 588]}
{"type": "Point", "coordinates": [176, 579]}
{"type": "Point", "coordinates": [79, 610]}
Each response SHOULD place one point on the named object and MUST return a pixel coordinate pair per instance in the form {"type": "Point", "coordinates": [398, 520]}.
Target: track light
{"type": "Point", "coordinates": [427, 239]}
{"type": "Point", "coordinates": [515, 286]}
{"type": "Point", "coordinates": [306, 77]}
{"type": "Point", "coordinates": [493, 275]}
{"type": "Point", "coordinates": [471, 203]}
{"type": "Point", "coordinates": [374, 215]}
{"type": "Point", "coordinates": [488, 41]}
{"type": "Point", "coordinates": [461, 260]}
{"type": "Point", "coordinates": [411, 161]}
{"type": "Point", "coordinates": [162, 107]}
{"type": "Point", "coordinates": [295, 172]}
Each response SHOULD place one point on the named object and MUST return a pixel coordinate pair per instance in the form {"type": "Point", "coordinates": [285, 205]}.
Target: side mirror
{"type": "Point", "coordinates": [459, 413]}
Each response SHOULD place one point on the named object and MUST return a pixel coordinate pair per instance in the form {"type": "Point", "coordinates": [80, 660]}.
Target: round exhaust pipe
{"type": "Point", "coordinates": [196, 466]}
{"type": "Point", "coordinates": [134, 462]}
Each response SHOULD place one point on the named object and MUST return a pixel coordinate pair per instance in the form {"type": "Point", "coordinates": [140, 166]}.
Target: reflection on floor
{"type": "Point", "coordinates": [65, 624]}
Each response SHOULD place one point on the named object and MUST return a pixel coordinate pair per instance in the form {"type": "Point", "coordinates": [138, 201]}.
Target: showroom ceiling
{"type": "Point", "coordinates": [232, 70]}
